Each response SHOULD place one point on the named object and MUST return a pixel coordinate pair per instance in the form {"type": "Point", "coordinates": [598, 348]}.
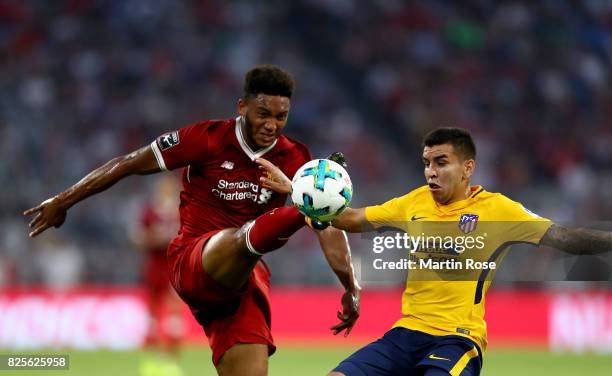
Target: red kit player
{"type": "Point", "coordinates": [157, 226]}
{"type": "Point", "coordinates": [229, 219]}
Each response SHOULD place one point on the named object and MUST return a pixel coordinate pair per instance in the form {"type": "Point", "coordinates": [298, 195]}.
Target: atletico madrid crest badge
{"type": "Point", "coordinates": [468, 222]}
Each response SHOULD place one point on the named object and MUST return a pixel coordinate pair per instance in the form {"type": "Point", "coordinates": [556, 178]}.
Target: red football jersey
{"type": "Point", "coordinates": [221, 185]}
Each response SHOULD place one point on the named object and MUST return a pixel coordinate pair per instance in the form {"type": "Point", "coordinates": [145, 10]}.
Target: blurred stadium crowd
{"type": "Point", "coordinates": [85, 80]}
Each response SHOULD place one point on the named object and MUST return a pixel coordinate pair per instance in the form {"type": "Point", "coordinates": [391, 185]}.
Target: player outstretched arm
{"type": "Point", "coordinates": [352, 220]}
{"type": "Point", "coordinates": [578, 241]}
{"type": "Point", "coordinates": [52, 212]}
{"type": "Point", "coordinates": [335, 246]}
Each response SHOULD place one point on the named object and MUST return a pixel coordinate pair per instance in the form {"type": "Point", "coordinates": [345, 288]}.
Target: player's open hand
{"type": "Point", "coordinates": [274, 178]}
{"type": "Point", "coordinates": [49, 213]}
{"type": "Point", "coordinates": [350, 312]}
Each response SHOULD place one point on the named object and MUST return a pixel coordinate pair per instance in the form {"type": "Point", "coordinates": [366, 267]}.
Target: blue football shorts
{"type": "Point", "coordinates": [408, 352]}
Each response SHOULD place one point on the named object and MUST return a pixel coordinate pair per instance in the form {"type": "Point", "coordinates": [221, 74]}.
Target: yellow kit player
{"type": "Point", "coordinates": [459, 234]}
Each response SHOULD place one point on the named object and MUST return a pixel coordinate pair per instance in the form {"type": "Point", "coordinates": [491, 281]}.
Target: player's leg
{"type": "Point", "coordinates": [472, 368]}
{"type": "Point", "coordinates": [390, 355]}
{"type": "Point", "coordinates": [373, 359]}
{"type": "Point", "coordinates": [244, 359]}
{"type": "Point", "coordinates": [243, 338]}
{"type": "Point", "coordinates": [230, 255]}
{"type": "Point", "coordinates": [452, 355]}
{"type": "Point", "coordinates": [230, 317]}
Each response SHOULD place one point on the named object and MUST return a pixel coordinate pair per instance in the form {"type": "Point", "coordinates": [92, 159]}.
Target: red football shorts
{"type": "Point", "coordinates": [228, 317]}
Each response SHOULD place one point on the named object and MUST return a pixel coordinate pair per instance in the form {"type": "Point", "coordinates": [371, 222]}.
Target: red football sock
{"type": "Point", "coordinates": [271, 230]}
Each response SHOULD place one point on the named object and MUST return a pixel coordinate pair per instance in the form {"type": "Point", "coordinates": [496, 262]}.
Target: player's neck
{"type": "Point", "coordinates": [460, 196]}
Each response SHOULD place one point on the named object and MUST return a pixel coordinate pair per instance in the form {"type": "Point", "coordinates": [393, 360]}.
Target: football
{"type": "Point", "coordinates": [321, 189]}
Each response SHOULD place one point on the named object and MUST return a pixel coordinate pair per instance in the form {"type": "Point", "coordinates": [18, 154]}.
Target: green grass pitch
{"type": "Point", "coordinates": [302, 361]}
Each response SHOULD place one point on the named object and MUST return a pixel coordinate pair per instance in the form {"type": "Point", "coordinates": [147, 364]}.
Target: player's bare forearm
{"type": "Point", "coordinates": [110, 173]}
{"type": "Point", "coordinates": [578, 241]}
{"type": "Point", "coordinates": [52, 212]}
{"type": "Point", "coordinates": [352, 220]}
{"type": "Point", "coordinates": [335, 246]}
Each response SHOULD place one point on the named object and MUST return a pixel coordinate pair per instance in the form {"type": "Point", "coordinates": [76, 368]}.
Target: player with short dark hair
{"type": "Point", "coordinates": [460, 139]}
{"type": "Point", "coordinates": [268, 79]}
{"type": "Point", "coordinates": [229, 219]}
{"type": "Point", "coordinates": [442, 329]}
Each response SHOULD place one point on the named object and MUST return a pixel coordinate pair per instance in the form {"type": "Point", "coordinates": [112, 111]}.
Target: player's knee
{"type": "Point", "coordinates": [334, 373]}
{"type": "Point", "coordinates": [235, 238]}
{"type": "Point", "coordinates": [223, 244]}
{"type": "Point", "coordinates": [243, 241]}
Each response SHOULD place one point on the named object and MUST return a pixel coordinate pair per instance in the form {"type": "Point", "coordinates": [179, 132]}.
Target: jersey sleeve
{"type": "Point", "coordinates": [388, 213]}
{"type": "Point", "coordinates": [524, 225]}
{"type": "Point", "coordinates": [182, 147]}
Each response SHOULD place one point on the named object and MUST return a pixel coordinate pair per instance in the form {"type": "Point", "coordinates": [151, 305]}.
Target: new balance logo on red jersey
{"type": "Point", "coordinates": [228, 165]}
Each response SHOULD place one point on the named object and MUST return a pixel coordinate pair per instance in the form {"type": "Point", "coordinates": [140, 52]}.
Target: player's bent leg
{"type": "Point", "coordinates": [244, 359]}
{"type": "Point", "coordinates": [333, 373]}
{"type": "Point", "coordinates": [452, 355]}
{"type": "Point", "coordinates": [384, 357]}
{"type": "Point", "coordinates": [230, 255]}
{"type": "Point", "coordinates": [225, 260]}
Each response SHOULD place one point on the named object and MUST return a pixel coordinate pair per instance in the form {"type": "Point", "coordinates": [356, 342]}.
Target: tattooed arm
{"type": "Point", "coordinates": [578, 241]}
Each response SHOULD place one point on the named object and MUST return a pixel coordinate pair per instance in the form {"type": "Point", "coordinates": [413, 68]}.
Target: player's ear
{"type": "Point", "coordinates": [242, 106]}
{"type": "Point", "coordinates": [469, 166]}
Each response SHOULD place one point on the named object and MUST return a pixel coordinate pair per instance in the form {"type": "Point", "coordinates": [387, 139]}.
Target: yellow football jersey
{"type": "Point", "coordinates": [451, 301]}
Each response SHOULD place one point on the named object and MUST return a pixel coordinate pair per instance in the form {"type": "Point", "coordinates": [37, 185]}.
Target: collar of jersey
{"type": "Point", "coordinates": [461, 204]}
{"type": "Point", "coordinates": [245, 147]}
